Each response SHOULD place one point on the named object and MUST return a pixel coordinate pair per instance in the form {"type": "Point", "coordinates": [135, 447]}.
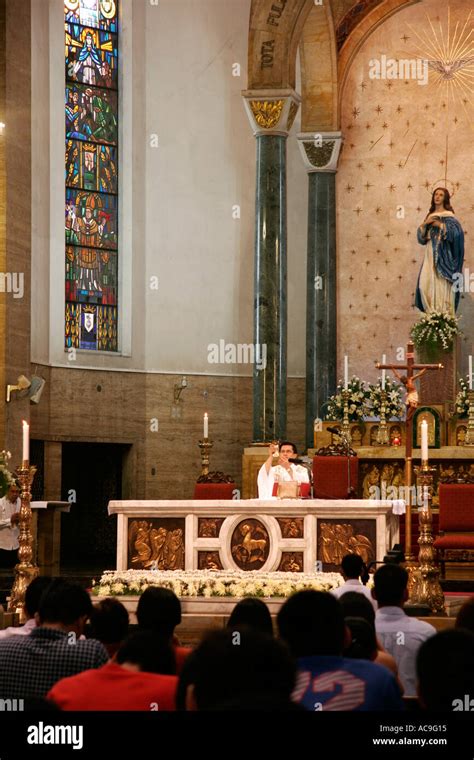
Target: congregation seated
{"type": "Point", "coordinates": [352, 569]}
{"type": "Point", "coordinates": [445, 671]}
{"type": "Point", "coordinates": [399, 634]}
{"type": "Point", "coordinates": [33, 595]}
{"type": "Point", "coordinates": [31, 665]}
{"type": "Point", "coordinates": [312, 623]}
{"type": "Point", "coordinates": [257, 673]}
{"type": "Point", "coordinates": [109, 624]}
{"type": "Point", "coordinates": [355, 605]}
{"type": "Point", "coordinates": [159, 611]}
{"type": "Point", "coordinates": [252, 613]}
{"type": "Point", "coordinates": [141, 677]}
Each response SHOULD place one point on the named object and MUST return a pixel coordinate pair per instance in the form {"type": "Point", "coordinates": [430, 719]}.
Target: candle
{"type": "Point", "coordinates": [470, 372]}
{"type": "Point", "coordinates": [346, 372]}
{"type": "Point", "coordinates": [384, 361]}
{"type": "Point", "coordinates": [206, 425]}
{"type": "Point", "coordinates": [424, 441]}
{"type": "Point", "coordinates": [26, 441]}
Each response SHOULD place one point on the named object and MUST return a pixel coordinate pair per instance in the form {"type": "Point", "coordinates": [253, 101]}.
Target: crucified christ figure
{"type": "Point", "coordinates": [411, 399]}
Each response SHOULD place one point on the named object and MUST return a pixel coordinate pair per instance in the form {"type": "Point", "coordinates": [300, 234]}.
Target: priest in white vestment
{"type": "Point", "coordinates": [283, 470]}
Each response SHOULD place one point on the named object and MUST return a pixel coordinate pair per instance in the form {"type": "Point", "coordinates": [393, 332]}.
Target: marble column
{"type": "Point", "coordinates": [271, 114]}
{"type": "Point", "coordinates": [320, 154]}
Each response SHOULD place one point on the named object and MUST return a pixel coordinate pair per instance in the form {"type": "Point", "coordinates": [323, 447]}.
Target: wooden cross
{"type": "Point", "coordinates": [411, 401]}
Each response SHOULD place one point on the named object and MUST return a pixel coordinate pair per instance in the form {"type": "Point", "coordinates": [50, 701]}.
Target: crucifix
{"type": "Point", "coordinates": [411, 401]}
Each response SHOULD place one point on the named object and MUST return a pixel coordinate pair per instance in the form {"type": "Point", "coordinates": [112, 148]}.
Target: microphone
{"type": "Point", "coordinates": [335, 430]}
{"type": "Point", "coordinates": [296, 460]}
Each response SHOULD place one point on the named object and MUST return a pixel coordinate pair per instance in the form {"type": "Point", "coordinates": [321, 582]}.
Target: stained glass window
{"type": "Point", "coordinates": [91, 173]}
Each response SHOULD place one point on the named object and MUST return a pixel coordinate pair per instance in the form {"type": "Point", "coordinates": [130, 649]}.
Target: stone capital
{"type": "Point", "coordinates": [320, 150]}
{"type": "Point", "coordinates": [271, 112]}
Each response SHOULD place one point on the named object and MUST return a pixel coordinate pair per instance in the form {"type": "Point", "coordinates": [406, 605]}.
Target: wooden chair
{"type": "Point", "coordinates": [455, 542]}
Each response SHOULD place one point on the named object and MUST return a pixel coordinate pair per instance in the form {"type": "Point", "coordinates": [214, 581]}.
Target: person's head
{"type": "Point", "coordinates": [159, 610]}
{"type": "Point", "coordinates": [146, 652]}
{"type": "Point", "coordinates": [65, 605]}
{"type": "Point", "coordinates": [352, 566]}
{"type": "Point", "coordinates": [288, 451]}
{"type": "Point", "coordinates": [441, 197]}
{"type": "Point", "coordinates": [357, 605]}
{"type": "Point", "coordinates": [363, 641]}
{"type": "Point", "coordinates": [13, 493]}
{"type": "Point", "coordinates": [445, 670]}
{"type": "Point", "coordinates": [390, 586]}
{"type": "Point", "coordinates": [312, 623]}
{"type": "Point", "coordinates": [249, 672]}
{"type": "Point", "coordinates": [252, 613]}
{"type": "Point", "coordinates": [465, 616]}
{"type": "Point", "coordinates": [33, 594]}
{"type": "Point", "coordinates": [109, 623]}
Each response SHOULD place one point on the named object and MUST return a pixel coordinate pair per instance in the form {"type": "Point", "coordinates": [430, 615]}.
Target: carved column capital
{"type": "Point", "coordinates": [271, 112]}
{"type": "Point", "coordinates": [320, 150]}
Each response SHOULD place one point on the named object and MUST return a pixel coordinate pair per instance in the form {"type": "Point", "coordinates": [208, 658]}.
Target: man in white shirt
{"type": "Point", "coordinates": [283, 471]}
{"type": "Point", "coordinates": [9, 516]}
{"type": "Point", "coordinates": [399, 634]}
{"type": "Point", "coordinates": [352, 567]}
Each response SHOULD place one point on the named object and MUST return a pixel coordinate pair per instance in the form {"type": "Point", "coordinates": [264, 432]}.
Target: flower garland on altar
{"type": "Point", "coordinates": [435, 332]}
{"type": "Point", "coordinates": [394, 405]}
{"type": "Point", "coordinates": [212, 583]}
{"type": "Point", "coordinates": [358, 402]}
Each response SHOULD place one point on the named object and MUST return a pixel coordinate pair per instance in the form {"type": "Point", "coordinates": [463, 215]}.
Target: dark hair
{"type": "Point", "coordinates": [252, 613]}
{"type": "Point", "coordinates": [363, 644]}
{"type": "Point", "coordinates": [151, 653]}
{"type": "Point", "coordinates": [352, 565]}
{"type": "Point", "coordinates": [34, 592]}
{"type": "Point", "coordinates": [159, 610]}
{"type": "Point", "coordinates": [445, 668]}
{"type": "Point", "coordinates": [255, 671]}
{"type": "Point", "coordinates": [64, 602]}
{"type": "Point", "coordinates": [109, 621]}
{"type": "Point", "coordinates": [312, 623]}
{"type": "Point", "coordinates": [390, 582]}
{"type": "Point", "coordinates": [446, 200]}
{"type": "Point", "coordinates": [288, 443]}
{"type": "Point", "coordinates": [465, 616]}
{"type": "Point", "coordinates": [355, 604]}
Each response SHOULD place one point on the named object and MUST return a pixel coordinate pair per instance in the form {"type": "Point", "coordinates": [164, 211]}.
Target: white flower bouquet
{"type": "Point", "coordinates": [394, 405]}
{"type": "Point", "coordinates": [435, 333]}
{"type": "Point", "coordinates": [358, 402]}
{"type": "Point", "coordinates": [462, 399]}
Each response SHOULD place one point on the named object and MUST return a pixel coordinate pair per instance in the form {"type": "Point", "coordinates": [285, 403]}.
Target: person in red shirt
{"type": "Point", "coordinates": [159, 611]}
{"type": "Point", "coordinates": [140, 678]}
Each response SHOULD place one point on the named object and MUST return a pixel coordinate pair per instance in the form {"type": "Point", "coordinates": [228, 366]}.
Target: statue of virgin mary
{"type": "Point", "coordinates": [443, 259]}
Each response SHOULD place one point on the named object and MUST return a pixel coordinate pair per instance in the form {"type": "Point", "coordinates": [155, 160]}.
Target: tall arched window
{"type": "Point", "coordinates": [91, 171]}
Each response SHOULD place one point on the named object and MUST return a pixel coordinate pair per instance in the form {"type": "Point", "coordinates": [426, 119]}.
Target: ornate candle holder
{"type": "Point", "coordinates": [345, 418]}
{"type": "Point", "coordinates": [426, 588]}
{"type": "Point", "coordinates": [470, 425]}
{"type": "Point", "coordinates": [25, 570]}
{"type": "Point", "coordinates": [205, 445]}
{"type": "Point", "coordinates": [382, 433]}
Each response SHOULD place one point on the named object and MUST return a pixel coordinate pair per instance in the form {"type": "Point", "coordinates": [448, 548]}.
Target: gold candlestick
{"type": "Point", "coordinates": [382, 433]}
{"type": "Point", "coordinates": [426, 589]}
{"type": "Point", "coordinates": [25, 570]}
{"type": "Point", "coordinates": [205, 445]}
{"type": "Point", "coordinates": [469, 441]}
{"type": "Point", "coordinates": [345, 418]}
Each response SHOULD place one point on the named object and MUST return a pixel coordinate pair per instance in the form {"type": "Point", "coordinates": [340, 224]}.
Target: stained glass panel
{"type": "Point", "coordinates": [96, 13]}
{"type": "Point", "coordinates": [91, 166]}
{"type": "Point", "coordinates": [91, 56]}
{"type": "Point", "coordinates": [91, 114]}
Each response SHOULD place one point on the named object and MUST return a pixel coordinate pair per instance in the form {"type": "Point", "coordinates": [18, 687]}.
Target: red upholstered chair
{"type": "Point", "coordinates": [214, 490]}
{"type": "Point", "coordinates": [456, 523]}
{"type": "Point", "coordinates": [330, 477]}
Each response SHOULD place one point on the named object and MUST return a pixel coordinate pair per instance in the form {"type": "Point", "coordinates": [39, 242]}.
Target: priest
{"type": "Point", "coordinates": [285, 470]}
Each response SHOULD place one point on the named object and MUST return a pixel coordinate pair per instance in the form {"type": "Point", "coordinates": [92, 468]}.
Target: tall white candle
{"type": "Point", "coordinates": [206, 425]}
{"type": "Point", "coordinates": [26, 441]}
{"type": "Point", "coordinates": [384, 361]}
{"type": "Point", "coordinates": [470, 372]}
{"type": "Point", "coordinates": [346, 372]}
{"type": "Point", "coordinates": [424, 441]}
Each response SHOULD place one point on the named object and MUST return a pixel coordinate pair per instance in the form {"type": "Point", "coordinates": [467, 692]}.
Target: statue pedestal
{"type": "Point", "coordinates": [441, 387]}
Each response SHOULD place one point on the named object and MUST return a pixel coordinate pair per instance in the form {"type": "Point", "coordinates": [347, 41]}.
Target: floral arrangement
{"type": "Point", "coordinates": [435, 332]}
{"type": "Point", "coordinates": [212, 583]}
{"type": "Point", "coordinates": [6, 478]}
{"type": "Point", "coordinates": [394, 404]}
{"type": "Point", "coordinates": [462, 398]}
{"type": "Point", "coordinates": [358, 402]}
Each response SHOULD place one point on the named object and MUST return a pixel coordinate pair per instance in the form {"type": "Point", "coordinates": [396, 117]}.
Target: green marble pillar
{"type": "Point", "coordinates": [321, 343]}
{"type": "Point", "coordinates": [270, 304]}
